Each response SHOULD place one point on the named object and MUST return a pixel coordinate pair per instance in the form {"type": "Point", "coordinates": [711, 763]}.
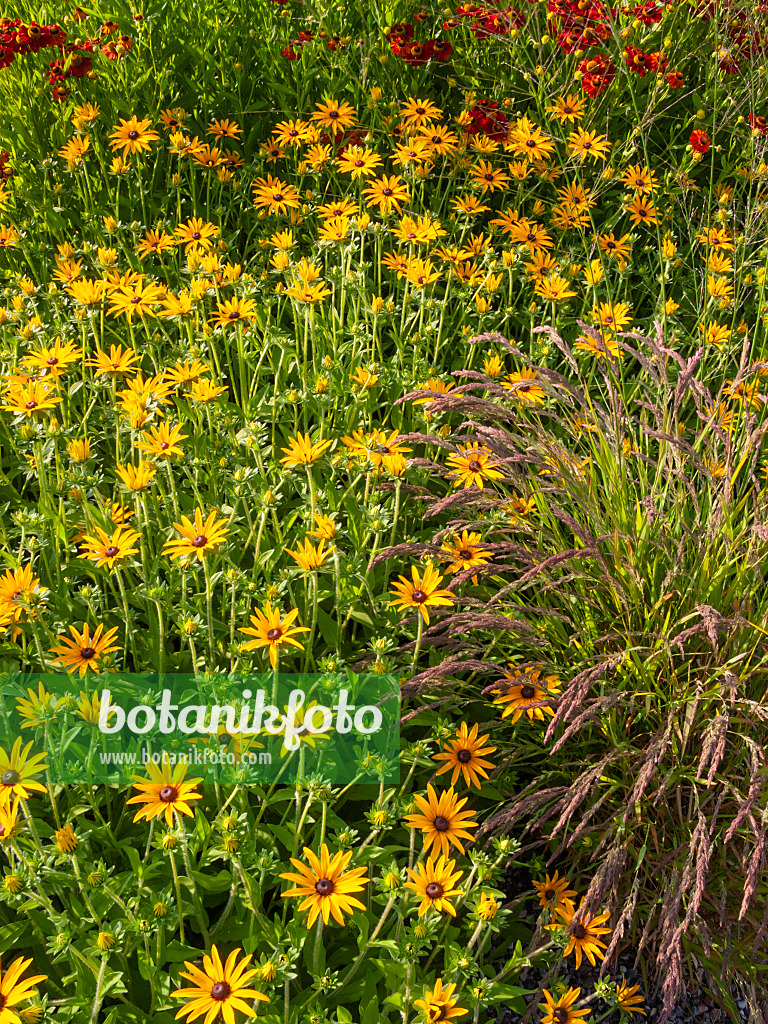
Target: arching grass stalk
{"type": "Point", "coordinates": [177, 886]}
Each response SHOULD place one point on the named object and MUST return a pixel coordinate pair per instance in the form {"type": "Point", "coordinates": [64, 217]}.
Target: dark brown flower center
{"type": "Point", "coordinates": [52, 361]}
{"type": "Point", "coordinates": [465, 756]}
{"type": "Point", "coordinates": [164, 445]}
{"type": "Point", "coordinates": [199, 541]}
{"type": "Point", "coordinates": [465, 555]}
{"type": "Point", "coordinates": [560, 1015]}
{"type": "Point", "coordinates": [196, 235]}
{"type": "Point", "coordinates": [278, 197]}
{"type": "Point", "coordinates": [31, 405]}
{"type": "Point", "coordinates": [333, 114]}
{"type": "Point", "coordinates": [527, 692]}
{"type": "Point", "coordinates": [168, 794]}
{"type": "Point", "coordinates": [579, 932]}
{"type": "Point", "coordinates": [133, 135]}
{"type": "Point", "coordinates": [86, 653]}
{"type": "Point", "coordinates": [474, 466]}
{"type": "Point", "coordinates": [442, 824]}
{"type": "Point", "coordinates": [324, 887]}
{"type": "Point", "coordinates": [418, 596]}
{"type": "Point", "coordinates": [359, 163]}
{"type": "Point", "coordinates": [274, 634]}
{"type": "Point", "coordinates": [434, 890]}
{"type": "Point", "coordinates": [10, 777]}
{"type": "Point", "coordinates": [386, 191]}
{"type": "Point", "coordinates": [234, 315]}
{"type": "Point", "coordinates": [549, 894]}
{"type": "Point", "coordinates": [220, 991]}
{"type": "Point", "coordinates": [111, 551]}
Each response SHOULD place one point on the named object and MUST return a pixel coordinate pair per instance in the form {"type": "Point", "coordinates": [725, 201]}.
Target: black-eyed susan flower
{"type": "Point", "coordinates": [417, 113]}
{"type": "Point", "coordinates": [83, 651]}
{"type": "Point", "coordinates": [554, 892]}
{"type": "Point", "coordinates": [523, 387]}
{"type": "Point", "coordinates": [488, 178]}
{"type": "Point", "coordinates": [584, 938]}
{"type": "Point", "coordinates": [118, 361]}
{"type": "Point", "coordinates": [205, 391]}
{"type": "Point", "coordinates": [136, 301]}
{"type": "Point", "coordinates": [326, 528]}
{"type": "Point", "coordinates": [611, 317]}
{"type": "Point", "coordinates": [292, 132]}
{"type": "Point", "coordinates": [359, 162]}
{"type": "Point", "coordinates": [14, 989]}
{"type": "Point", "coordinates": [435, 883]}
{"type": "Point", "coordinates": [438, 1003]}
{"type": "Point", "coordinates": [104, 549]}
{"type": "Point", "coordinates": [54, 359]}
{"type": "Point", "coordinates": [420, 592]}
{"type": "Point", "coordinates": [338, 208]}
{"type": "Point", "coordinates": [9, 817]}
{"type": "Point", "coordinates": [628, 1002]}
{"type": "Point", "coordinates": [164, 792]}
{"type": "Point", "coordinates": [31, 399]}
{"type": "Point", "coordinates": [19, 589]}
{"type": "Point", "coordinates": [388, 193]}
{"type": "Point", "coordinates": [309, 556]}
{"type": "Point", "coordinates": [562, 1011]}
{"type": "Point", "coordinates": [326, 885]}
{"type": "Point", "coordinates": [568, 108]}
{"type": "Point", "coordinates": [275, 196]}
{"type": "Point", "coordinates": [303, 451]}
{"type": "Point", "coordinates": [334, 116]}
{"type": "Point", "coordinates": [521, 689]}
{"type": "Point", "coordinates": [473, 465]}
{"type": "Point", "coordinates": [66, 840]}
{"type": "Point", "coordinates": [487, 907]}
{"type": "Point", "coordinates": [37, 707]}
{"type": "Point", "coordinates": [195, 234]}
{"type": "Point", "coordinates": [465, 553]}
{"type": "Point", "coordinates": [137, 478]}
{"type": "Point", "coordinates": [271, 630]}
{"type": "Point", "coordinates": [219, 989]}
{"type": "Point", "coordinates": [583, 144]}
{"type": "Point", "coordinates": [464, 756]}
{"type": "Point", "coordinates": [198, 538]}
{"type": "Point", "coordinates": [233, 311]}
{"type": "Point", "coordinates": [133, 136]}
{"type": "Point", "coordinates": [640, 179]}
{"type": "Point", "coordinates": [641, 211]}
{"type": "Point", "coordinates": [18, 771]}
{"type": "Point", "coordinates": [162, 441]}
{"type": "Point", "coordinates": [154, 243]}
{"type": "Point", "coordinates": [442, 820]}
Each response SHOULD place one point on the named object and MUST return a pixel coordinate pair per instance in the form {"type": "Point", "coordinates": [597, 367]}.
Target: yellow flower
{"type": "Point", "coordinates": [271, 630]}
{"type": "Point", "coordinates": [310, 557]}
{"type": "Point", "coordinates": [325, 885]}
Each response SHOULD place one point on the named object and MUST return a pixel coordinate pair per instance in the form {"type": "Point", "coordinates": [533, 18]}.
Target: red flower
{"type": "Point", "coordinates": [598, 72]}
{"type": "Point", "coordinates": [637, 61]}
{"type": "Point", "coordinates": [675, 80]}
{"type": "Point", "coordinates": [700, 141]}
{"type": "Point", "coordinates": [759, 124]}
{"type": "Point", "coordinates": [5, 170]}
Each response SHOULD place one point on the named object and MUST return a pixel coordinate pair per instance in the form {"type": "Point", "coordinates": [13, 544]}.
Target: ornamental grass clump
{"type": "Point", "coordinates": [635, 626]}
